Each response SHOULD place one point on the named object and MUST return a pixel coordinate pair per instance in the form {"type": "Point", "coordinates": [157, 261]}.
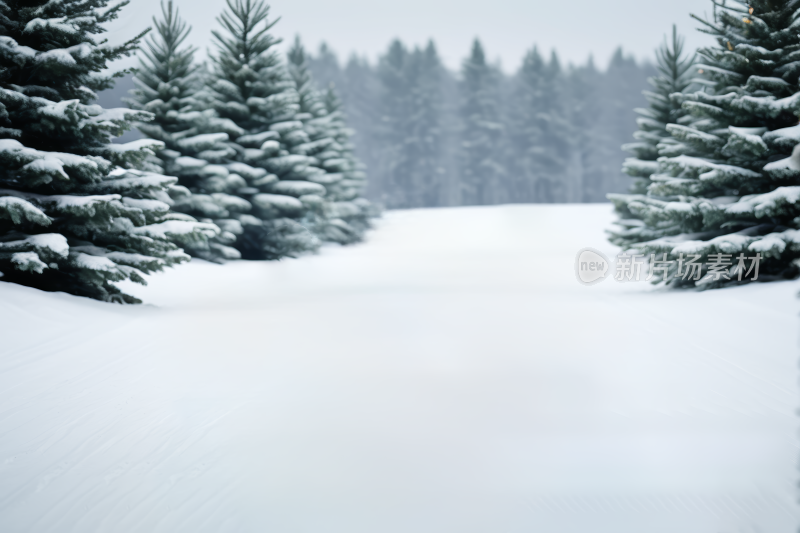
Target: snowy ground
{"type": "Point", "coordinates": [448, 376]}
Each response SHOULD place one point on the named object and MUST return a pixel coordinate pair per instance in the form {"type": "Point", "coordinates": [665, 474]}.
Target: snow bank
{"type": "Point", "coordinates": [449, 375]}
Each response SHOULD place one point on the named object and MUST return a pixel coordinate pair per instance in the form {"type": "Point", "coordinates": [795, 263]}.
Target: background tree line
{"type": "Point", "coordinates": [432, 137]}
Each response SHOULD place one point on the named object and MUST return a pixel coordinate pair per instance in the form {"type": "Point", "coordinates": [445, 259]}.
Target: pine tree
{"type": "Point", "coordinates": [360, 102]}
{"type": "Point", "coordinates": [395, 107]}
{"type": "Point", "coordinates": [348, 203]}
{"type": "Point", "coordinates": [352, 91]}
{"type": "Point", "coordinates": [325, 69]}
{"type": "Point", "coordinates": [425, 139]}
{"type": "Point", "coordinates": [584, 109]}
{"type": "Point", "coordinates": [542, 136]}
{"type": "Point", "coordinates": [727, 189]}
{"type": "Point", "coordinates": [168, 83]}
{"type": "Point", "coordinates": [74, 215]}
{"type": "Point", "coordinates": [249, 85]}
{"type": "Point", "coordinates": [411, 102]}
{"type": "Point", "coordinates": [620, 92]}
{"type": "Point", "coordinates": [329, 146]}
{"type": "Point", "coordinates": [676, 74]}
{"type": "Point", "coordinates": [483, 134]}
{"type": "Point", "coordinates": [592, 106]}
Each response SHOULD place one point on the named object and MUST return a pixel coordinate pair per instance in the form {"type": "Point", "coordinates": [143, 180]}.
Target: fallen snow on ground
{"type": "Point", "coordinates": [448, 376]}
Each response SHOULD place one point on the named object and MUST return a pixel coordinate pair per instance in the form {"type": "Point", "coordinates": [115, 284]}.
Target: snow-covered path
{"type": "Point", "coordinates": [448, 376]}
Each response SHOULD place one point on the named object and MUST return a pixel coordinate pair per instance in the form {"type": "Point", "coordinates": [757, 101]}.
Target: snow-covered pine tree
{"type": "Point", "coordinates": [341, 174]}
{"type": "Point", "coordinates": [167, 85]}
{"type": "Point", "coordinates": [250, 86]}
{"type": "Point", "coordinates": [675, 74]}
{"type": "Point", "coordinates": [74, 215]}
{"type": "Point", "coordinates": [728, 189]}
{"type": "Point", "coordinates": [483, 135]}
{"type": "Point", "coordinates": [356, 89]}
{"type": "Point", "coordinates": [620, 92]}
{"type": "Point", "coordinates": [541, 133]}
{"type": "Point", "coordinates": [348, 202]}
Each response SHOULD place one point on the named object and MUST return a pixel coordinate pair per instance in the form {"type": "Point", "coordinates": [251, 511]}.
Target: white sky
{"type": "Point", "coordinates": [508, 28]}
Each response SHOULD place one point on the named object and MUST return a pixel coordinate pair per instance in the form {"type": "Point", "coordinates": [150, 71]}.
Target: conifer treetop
{"type": "Point", "coordinates": [167, 79]}
{"type": "Point", "coordinates": [298, 70]}
{"type": "Point", "coordinates": [164, 60]}
{"type": "Point", "coordinates": [676, 75]}
{"type": "Point", "coordinates": [58, 39]}
{"type": "Point", "coordinates": [676, 68]}
{"type": "Point", "coordinates": [248, 48]}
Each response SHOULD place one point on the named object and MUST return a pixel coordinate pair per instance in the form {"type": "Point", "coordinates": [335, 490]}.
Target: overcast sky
{"type": "Point", "coordinates": [508, 28]}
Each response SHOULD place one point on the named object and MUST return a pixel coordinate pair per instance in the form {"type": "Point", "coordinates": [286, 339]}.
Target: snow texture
{"type": "Point", "coordinates": [53, 241]}
{"type": "Point", "coordinates": [93, 262]}
{"type": "Point", "coordinates": [246, 171]}
{"type": "Point", "coordinates": [135, 146]}
{"type": "Point", "coordinates": [58, 55]}
{"type": "Point", "coordinates": [763, 204]}
{"type": "Point", "coordinates": [16, 148]}
{"type": "Point", "coordinates": [11, 46]}
{"type": "Point", "coordinates": [297, 188]}
{"type": "Point", "coordinates": [163, 230]}
{"type": "Point", "coordinates": [448, 376]}
{"type": "Point", "coordinates": [279, 201]}
{"type": "Point", "coordinates": [256, 140]}
{"type": "Point", "coordinates": [202, 142]}
{"type": "Point", "coordinates": [15, 208]}
{"type": "Point", "coordinates": [28, 261]}
{"type": "Point", "coordinates": [189, 164]}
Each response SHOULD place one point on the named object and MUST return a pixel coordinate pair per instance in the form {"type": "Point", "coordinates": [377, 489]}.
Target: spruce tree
{"type": "Point", "coordinates": [676, 74]}
{"type": "Point", "coordinates": [620, 92]}
{"type": "Point", "coordinates": [325, 69]}
{"type": "Point", "coordinates": [348, 203]}
{"type": "Point", "coordinates": [483, 131]}
{"type": "Point", "coordinates": [75, 216]}
{"type": "Point", "coordinates": [168, 83]}
{"type": "Point", "coordinates": [410, 126]}
{"type": "Point", "coordinates": [727, 190]}
{"type": "Point", "coordinates": [328, 144]}
{"type": "Point", "coordinates": [585, 106]}
{"type": "Point", "coordinates": [395, 108]}
{"type": "Point", "coordinates": [249, 86]}
{"type": "Point", "coordinates": [425, 124]}
{"type": "Point", "coordinates": [360, 99]}
{"type": "Point", "coordinates": [541, 133]}
{"type": "Point", "coordinates": [354, 92]}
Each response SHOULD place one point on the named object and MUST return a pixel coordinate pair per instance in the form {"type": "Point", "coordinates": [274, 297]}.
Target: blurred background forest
{"type": "Point", "coordinates": [431, 136]}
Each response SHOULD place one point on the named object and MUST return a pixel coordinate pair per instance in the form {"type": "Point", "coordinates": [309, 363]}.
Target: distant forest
{"type": "Point", "coordinates": [431, 137]}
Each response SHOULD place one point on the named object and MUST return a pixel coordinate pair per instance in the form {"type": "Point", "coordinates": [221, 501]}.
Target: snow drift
{"type": "Point", "coordinates": [450, 375]}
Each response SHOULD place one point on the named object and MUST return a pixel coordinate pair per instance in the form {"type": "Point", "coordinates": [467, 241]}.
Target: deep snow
{"type": "Point", "coordinates": [449, 375]}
